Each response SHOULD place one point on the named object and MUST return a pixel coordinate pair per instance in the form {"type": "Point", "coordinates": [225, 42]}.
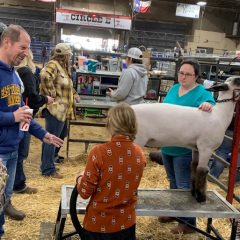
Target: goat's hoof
{"type": "Point", "coordinates": [200, 197]}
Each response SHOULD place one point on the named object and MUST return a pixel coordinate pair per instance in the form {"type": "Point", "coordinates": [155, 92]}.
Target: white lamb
{"type": "Point", "coordinates": [162, 124]}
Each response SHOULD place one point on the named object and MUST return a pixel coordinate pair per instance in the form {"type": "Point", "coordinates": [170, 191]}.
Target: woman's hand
{"type": "Point", "coordinates": [77, 98]}
{"type": "Point", "coordinates": [79, 177]}
{"type": "Point", "coordinates": [206, 107]}
{"type": "Point", "coordinates": [50, 100]}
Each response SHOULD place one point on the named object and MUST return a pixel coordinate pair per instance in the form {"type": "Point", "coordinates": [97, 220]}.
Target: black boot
{"type": "Point", "coordinates": [13, 213]}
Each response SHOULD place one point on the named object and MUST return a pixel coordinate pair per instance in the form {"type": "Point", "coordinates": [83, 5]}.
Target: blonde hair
{"type": "Point", "coordinates": [122, 121]}
{"type": "Point", "coordinates": [28, 62]}
{"type": "Point", "coordinates": [63, 61]}
{"type": "Point", "coordinates": [52, 52]}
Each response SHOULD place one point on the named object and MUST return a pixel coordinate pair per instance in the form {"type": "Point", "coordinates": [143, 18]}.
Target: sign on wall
{"type": "Point", "coordinates": [187, 10]}
{"type": "Point", "coordinates": [93, 19]}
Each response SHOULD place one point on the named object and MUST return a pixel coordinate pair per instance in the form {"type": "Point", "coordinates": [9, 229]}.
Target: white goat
{"type": "Point", "coordinates": [162, 124]}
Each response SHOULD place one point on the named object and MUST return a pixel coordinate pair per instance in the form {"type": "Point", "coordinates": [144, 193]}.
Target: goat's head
{"type": "Point", "coordinates": [230, 88]}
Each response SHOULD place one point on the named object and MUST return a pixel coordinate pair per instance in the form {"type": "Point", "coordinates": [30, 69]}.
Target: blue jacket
{"type": "Point", "coordinates": [10, 101]}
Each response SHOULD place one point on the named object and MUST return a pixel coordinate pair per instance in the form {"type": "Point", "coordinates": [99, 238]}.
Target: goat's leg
{"type": "Point", "coordinates": [201, 175]}
{"type": "Point", "coordinates": [201, 184]}
{"type": "Point", "coordinates": [194, 165]}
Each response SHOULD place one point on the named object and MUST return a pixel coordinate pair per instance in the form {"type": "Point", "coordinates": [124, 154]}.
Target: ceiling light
{"type": "Point", "coordinates": [202, 3]}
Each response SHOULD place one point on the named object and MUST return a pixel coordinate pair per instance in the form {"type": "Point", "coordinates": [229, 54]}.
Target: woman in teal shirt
{"type": "Point", "coordinates": [177, 160]}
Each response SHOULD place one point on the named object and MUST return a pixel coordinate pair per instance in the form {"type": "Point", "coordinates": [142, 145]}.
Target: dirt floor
{"type": "Point", "coordinates": [42, 207]}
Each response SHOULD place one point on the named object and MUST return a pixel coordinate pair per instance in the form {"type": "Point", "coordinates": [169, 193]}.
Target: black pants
{"type": "Point", "coordinates": [127, 234]}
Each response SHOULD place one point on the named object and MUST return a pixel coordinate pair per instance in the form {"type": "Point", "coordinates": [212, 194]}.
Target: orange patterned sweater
{"type": "Point", "coordinates": [111, 178]}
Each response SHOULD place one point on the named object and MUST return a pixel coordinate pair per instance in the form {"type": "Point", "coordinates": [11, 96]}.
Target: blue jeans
{"type": "Point", "coordinates": [20, 178]}
{"type": "Point", "coordinates": [74, 79]}
{"type": "Point", "coordinates": [53, 126]}
{"type": "Point", "coordinates": [62, 136]}
{"type": "Point", "coordinates": [2, 221]}
{"type": "Point", "coordinates": [9, 160]}
{"type": "Point", "coordinates": [178, 169]}
{"type": "Point", "coordinates": [224, 151]}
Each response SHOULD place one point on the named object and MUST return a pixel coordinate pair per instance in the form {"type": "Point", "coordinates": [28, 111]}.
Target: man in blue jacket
{"type": "Point", "coordinates": [14, 47]}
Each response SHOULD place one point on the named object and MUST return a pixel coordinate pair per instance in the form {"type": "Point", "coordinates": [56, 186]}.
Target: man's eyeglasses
{"type": "Point", "coordinates": [186, 75]}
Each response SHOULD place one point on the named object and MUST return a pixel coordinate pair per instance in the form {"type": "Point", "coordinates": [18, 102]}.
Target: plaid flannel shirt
{"type": "Point", "coordinates": [56, 83]}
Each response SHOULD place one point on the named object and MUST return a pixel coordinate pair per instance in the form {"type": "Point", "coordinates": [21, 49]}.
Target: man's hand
{"type": "Point", "coordinates": [21, 115]}
{"type": "Point", "coordinates": [52, 139]}
{"type": "Point", "coordinates": [109, 92]}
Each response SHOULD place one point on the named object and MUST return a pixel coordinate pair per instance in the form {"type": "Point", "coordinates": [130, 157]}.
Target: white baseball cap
{"type": "Point", "coordinates": [63, 49]}
{"type": "Point", "coordinates": [135, 53]}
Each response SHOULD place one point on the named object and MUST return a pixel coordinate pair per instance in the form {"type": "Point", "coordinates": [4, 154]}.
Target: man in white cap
{"type": "Point", "coordinates": [133, 82]}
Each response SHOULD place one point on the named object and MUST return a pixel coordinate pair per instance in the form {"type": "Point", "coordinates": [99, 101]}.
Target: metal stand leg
{"type": "Point", "coordinates": [234, 229]}
{"type": "Point", "coordinates": [60, 228]}
{"type": "Point", "coordinates": [209, 225]}
{"type": "Point", "coordinates": [59, 225]}
{"type": "Point", "coordinates": [58, 219]}
{"type": "Point", "coordinates": [200, 231]}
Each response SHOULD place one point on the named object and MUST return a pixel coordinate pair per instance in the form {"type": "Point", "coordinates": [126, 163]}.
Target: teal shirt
{"type": "Point", "coordinates": [193, 98]}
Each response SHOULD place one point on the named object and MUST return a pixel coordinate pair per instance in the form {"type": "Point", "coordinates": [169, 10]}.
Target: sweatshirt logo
{"type": "Point", "coordinates": [12, 93]}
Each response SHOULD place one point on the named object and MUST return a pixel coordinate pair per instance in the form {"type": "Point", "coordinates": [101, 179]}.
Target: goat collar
{"type": "Point", "coordinates": [235, 97]}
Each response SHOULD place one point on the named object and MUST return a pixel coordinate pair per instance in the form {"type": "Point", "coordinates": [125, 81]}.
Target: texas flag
{"type": "Point", "coordinates": [141, 6]}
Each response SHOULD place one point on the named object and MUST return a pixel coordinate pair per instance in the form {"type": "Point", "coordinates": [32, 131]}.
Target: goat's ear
{"type": "Point", "coordinates": [219, 87]}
